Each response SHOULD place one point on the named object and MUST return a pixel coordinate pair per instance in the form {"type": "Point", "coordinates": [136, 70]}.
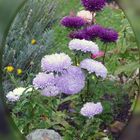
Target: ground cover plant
{"type": "Point", "coordinates": [79, 83]}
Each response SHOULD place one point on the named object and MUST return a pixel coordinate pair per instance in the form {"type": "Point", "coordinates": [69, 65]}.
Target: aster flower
{"type": "Point", "coordinates": [81, 34]}
{"type": "Point", "coordinates": [108, 35]}
{"type": "Point", "coordinates": [73, 22]}
{"type": "Point", "coordinates": [50, 91]}
{"type": "Point", "coordinates": [71, 81]}
{"type": "Point", "coordinates": [42, 80]}
{"type": "Point", "coordinates": [56, 62]}
{"type": "Point", "coordinates": [97, 55]}
{"type": "Point", "coordinates": [93, 66]}
{"type": "Point", "coordinates": [86, 15]}
{"type": "Point", "coordinates": [16, 93]}
{"type": "Point", "coordinates": [83, 45]}
{"type": "Point", "coordinates": [94, 31]}
{"type": "Point", "coordinates": [93, 5]}
{"type": "Point", "coordinates": [91, 109]}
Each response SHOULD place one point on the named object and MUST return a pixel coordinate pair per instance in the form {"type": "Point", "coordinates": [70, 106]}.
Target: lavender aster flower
{"type": "Point", "coordinates": [81, 34]}
{"type": "Point", "coordinates": [72, 81]}
{"type": "Point", "coordinates": [94, 31]}
{"type": "Point", "coordinates": [56, 62]}
{"type": "Point", "coordinates": [42, 80]}
{"type": "Point", "coordinates": [73, 22]}
{"type": "Point", "coordinates": [83, 45]}
{"type": "Point", "coordinates": [93, 66]}
{"type": "Point", "coordinates": [91, 109]}
{"type": "Point", "coordinates": [93, 5]}
{"type": "Point", "coordinates": [108, 35]}
{"type": "Point", "coordinates": [50, 91]}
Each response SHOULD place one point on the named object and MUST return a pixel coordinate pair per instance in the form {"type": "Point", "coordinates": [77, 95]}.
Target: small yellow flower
{"type": "Point", "coordinates": [19, 71]}
{"type": "Point", "coordinates": [9, 68]}
{"type": "Point", "coordinates": [33, 42]}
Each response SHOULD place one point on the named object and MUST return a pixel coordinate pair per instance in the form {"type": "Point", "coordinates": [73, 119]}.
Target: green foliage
{"type": "Point", "coordinates": [34, 21]}
{"type": "Point", "coordinates": [36, 111]}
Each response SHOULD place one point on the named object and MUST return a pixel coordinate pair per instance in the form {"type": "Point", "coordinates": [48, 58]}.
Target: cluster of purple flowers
{"type": "Point", "coordinates": [96, 31]}
{"type": "Point", "coordinates": [59, 76]}
{"type": "Point", "coordinates": [93, 31]}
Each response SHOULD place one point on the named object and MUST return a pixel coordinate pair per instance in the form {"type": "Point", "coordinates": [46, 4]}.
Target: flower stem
{"type": "Point", "coordinates": [88, 84]}
{"type": "Point", "coordinates": [93, 16]}
{"type": "Point", "coordinates": [105, 53]}
{"type": "Point", "coordinates": [13, 80]}
{"type": "Point", "coordinates": [76, 60]}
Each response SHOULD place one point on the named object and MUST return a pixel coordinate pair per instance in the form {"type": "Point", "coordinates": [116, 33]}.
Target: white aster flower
{"type": "Point", "coordinates": [56, 62]}
{"type": "Point", "coordinates": [93, 66]}
{"type": "Point", "coordinates": [16, 93]}
{"type": "Point", "coordinates": [84, 46]}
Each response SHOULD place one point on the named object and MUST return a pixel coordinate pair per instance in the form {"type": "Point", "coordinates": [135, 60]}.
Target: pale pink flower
{"type": "Point", "coordinates": [86, 15]}
{"type": "Point", "coordinates": [97, 55]}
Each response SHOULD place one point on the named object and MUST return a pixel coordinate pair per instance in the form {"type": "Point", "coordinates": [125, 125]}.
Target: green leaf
{"type": "Point", "coordinates": [129, 68]}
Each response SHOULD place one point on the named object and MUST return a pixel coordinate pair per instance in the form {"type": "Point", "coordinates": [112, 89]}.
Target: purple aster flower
{"type": "Point", "coordinates": [83, 45]}
{"type": "Point", "coordinates": [93, 66]}
{"type": "Point", "coordinates": [94, 31]}
{"type": "Point", "coordinates": [56, 62]}
{"type": "Point", "coordinates": [50, 91]}
{"type": "Point", "coordinates": [73, 22]}
{"type": "Point", "coordinates": [91, 109]}
{"type": "Point", "coordinates": [81, 34]}
{"type": "Point", "coordinates": [108, 35]}
{"type": "Point", "coordinates": [93, 5]}
{"type": "Point", "coordinates": [71, 81]}
{"type": "Point", "coordinates": [42, 80]}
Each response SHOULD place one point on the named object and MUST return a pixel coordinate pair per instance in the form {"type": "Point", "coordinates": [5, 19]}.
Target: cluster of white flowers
{"type": "Point", "coordinates": [16, 93]}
